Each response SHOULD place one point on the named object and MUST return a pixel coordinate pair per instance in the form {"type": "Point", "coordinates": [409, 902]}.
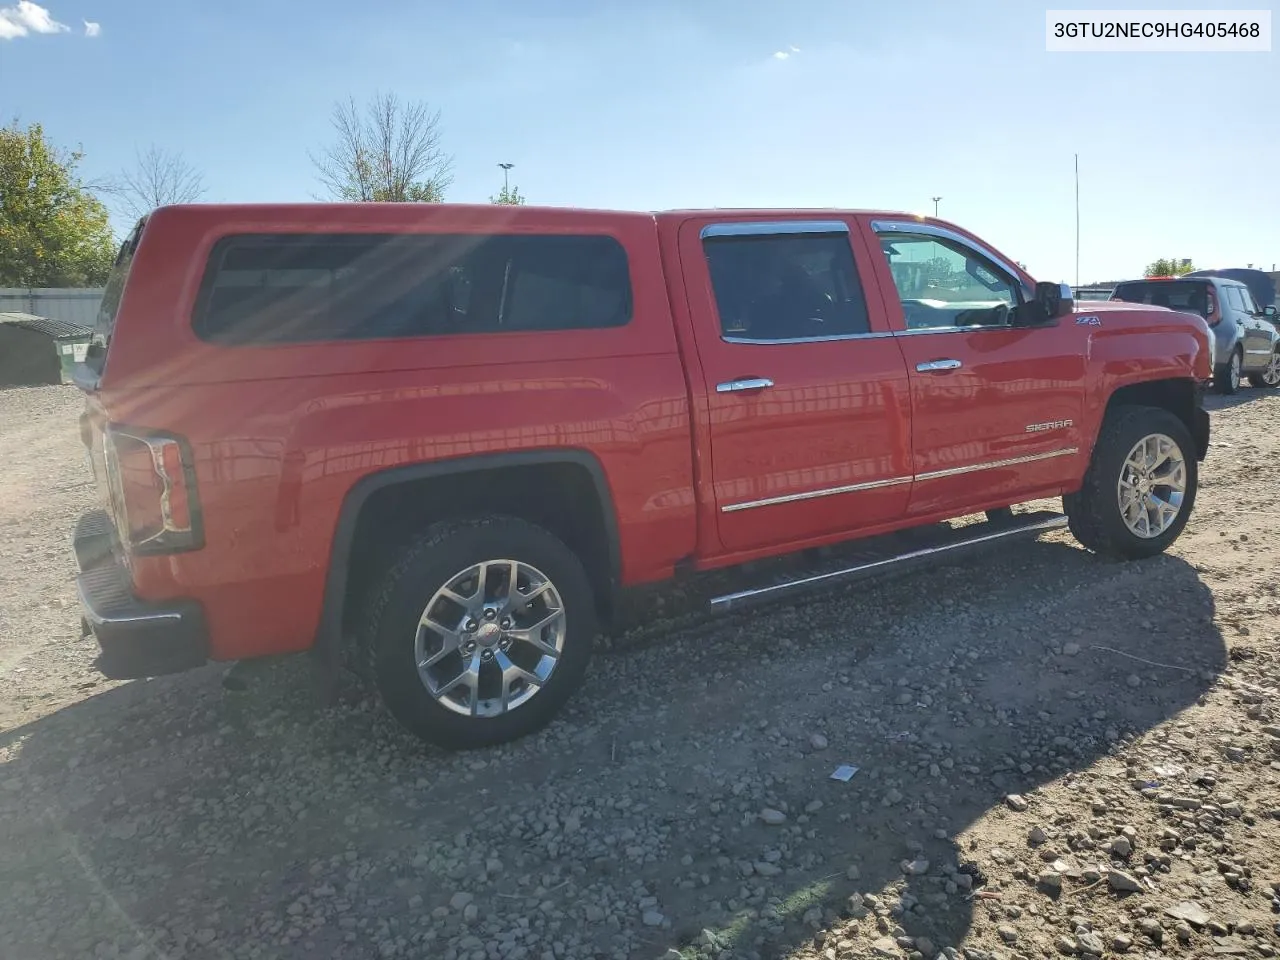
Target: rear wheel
{"type": "Point", "coordinates": [481, 632]}
{"type": "Point", "coordinates": [1226, 378]}
{"type": "Point", "coordinates": [1140, 487]}
{"type": "Point", "coordinates": [1269, 378]}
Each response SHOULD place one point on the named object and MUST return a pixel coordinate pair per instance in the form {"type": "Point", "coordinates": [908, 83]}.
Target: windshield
{"type": "Point", "coordinates": [105, 321]}
{"type": "Point", "coordinates": [1189, 295]}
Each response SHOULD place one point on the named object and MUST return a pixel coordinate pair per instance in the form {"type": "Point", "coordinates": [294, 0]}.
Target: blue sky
{"type": "Point", "coordinates": [684, 104]}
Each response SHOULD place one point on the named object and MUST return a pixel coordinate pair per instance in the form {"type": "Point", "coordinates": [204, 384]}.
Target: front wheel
{"type": "Point", "coordinates": [1226, 377]}
{"type": "Point", "coordinates": [1140, 486]}
{"type": "Point", "coordinates": [481, 632]}
{"type": "Point", "coordinates": [1269, 378]}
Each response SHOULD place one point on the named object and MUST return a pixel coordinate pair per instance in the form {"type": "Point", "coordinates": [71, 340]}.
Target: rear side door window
{"type": "Point", "coordinates": [781, 287]}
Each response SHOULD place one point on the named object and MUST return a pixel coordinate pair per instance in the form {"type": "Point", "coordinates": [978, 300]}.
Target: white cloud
{"type": "Point", "coordinates": [27, 17]}
{"type": "Point", "coordinates": [785, 54]}
{"type": "Point", "coordinates": [92, 29]}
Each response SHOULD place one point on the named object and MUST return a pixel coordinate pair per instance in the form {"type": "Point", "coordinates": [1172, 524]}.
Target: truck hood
{"type": "Point", "coordinates": [1110, 306]}
{"type": "Point", "coordinates": [1138, 313]}
{"type": "Point", "coordinates": [1161, 329]}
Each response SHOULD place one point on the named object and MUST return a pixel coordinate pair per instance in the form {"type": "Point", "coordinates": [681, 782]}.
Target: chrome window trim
{"type": "Point", "coordinates": [975, 328]}
{"type": "Point", "coordinates": [930, 230]}
{"type": "Point", "coordinates": [772, 227]}
{"type": "Point", "coordinates": [834, 338]}
{"type": "Point", "coordinates": [872, 335]}
{"type": "Point", "coordinates": [895, 481]}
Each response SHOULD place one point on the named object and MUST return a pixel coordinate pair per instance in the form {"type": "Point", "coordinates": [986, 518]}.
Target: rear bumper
{"type": "Point", "coordinates": [137, 639]}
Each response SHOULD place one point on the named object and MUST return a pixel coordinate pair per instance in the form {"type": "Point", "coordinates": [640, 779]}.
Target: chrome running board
{"type": "Point", "coordinates": [901, 550]}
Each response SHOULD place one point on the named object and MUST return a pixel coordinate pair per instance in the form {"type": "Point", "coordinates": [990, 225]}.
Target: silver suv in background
{"type": "Point", "coordinates": [1245, 342]}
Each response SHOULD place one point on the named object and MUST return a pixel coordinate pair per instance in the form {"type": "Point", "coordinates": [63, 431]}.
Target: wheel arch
{"type": "Point", "coordinates": [597, 536]}
{"type": "Point", "coordinates": [1181, 396]}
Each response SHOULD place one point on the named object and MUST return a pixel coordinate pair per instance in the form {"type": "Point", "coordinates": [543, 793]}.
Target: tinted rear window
{"type": "Point", "coordinates": [305, 287]}
{"type": "Point", "coordinates": [1189, 295]}
{"type": "Point", "coordinates": [786, 286]}
{"type": "Point", "coordinates": [105, 322]}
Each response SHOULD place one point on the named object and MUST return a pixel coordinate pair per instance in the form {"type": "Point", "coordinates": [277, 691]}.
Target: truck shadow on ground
{"type": "Point", "coordinates": [196, 822]}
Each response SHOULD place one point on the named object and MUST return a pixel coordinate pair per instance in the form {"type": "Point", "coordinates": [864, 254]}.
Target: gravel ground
{"type": "Point", "coordinates": [1027, 785]}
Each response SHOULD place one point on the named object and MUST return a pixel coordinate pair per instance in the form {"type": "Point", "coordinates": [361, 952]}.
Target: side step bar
{"type": "Point", "coordinates": [899, 551]}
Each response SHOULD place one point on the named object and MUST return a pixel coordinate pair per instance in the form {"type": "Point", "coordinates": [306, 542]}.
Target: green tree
{"type": "Point", "coordinates": [1168, 268]}
{"type": "Point", "coordinates": [53, 231]}
{"type": "Point", "coordinates": [387, 152]}
{"type": "Point", "coordinates": [508, 195]}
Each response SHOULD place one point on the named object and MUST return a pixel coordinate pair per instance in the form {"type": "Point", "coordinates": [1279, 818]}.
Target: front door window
{"type": "Point", "coordinates": [944, 286]}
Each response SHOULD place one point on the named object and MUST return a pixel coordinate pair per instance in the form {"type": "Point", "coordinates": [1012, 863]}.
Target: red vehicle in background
{"type": "Point", "coordinates": [438, 440]}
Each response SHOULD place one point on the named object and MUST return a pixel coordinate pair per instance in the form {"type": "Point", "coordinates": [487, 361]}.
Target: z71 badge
{"type": "Point", "coordinates": [1089, 321]}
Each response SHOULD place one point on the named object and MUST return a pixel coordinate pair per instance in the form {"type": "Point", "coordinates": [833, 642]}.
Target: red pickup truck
{"type": "Point", "coordinates": [438, 440]}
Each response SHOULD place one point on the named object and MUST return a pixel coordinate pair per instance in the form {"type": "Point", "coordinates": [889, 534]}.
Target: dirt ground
{"type": "Point", "coordinates": [1056, 756]}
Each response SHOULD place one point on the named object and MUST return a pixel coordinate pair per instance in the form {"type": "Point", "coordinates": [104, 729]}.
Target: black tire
{"type": "Point", "coordinates": [1226, 376]}
{"type": "Point", "coordinates": [390, 625]}
{"type": "Point", "coordinates": [1267, 380]}
{"type": "Point", "coordinates": [1094, 512]}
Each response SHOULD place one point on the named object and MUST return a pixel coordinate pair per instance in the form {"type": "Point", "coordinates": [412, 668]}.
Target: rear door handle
{"type": "Point", "coordinates": [933, 365]}
{"type": "Point", "coordinates": [748, 383]}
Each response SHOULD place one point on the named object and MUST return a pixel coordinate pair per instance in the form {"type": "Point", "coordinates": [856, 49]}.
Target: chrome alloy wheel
{"type": "Point", "coordinates": [1271, 375]}
{"type": "Point", "coordinates": [1233, 371]}
{"type": "Point", "coordinates": [490, 638]}
{"type": "Point", "coordinates": [1152, 486]}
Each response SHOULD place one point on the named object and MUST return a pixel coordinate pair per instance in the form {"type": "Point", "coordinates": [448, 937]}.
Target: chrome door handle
{"type": "Point", "coordinates": [750, 383]}
{"type": "Point", "coordinates": [938, 365]}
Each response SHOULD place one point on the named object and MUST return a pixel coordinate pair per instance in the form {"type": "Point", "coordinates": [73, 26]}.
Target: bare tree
{"type": "Point", "coordinates": [388, 152]}
{"type": "Point", "coordinates": [158, 178]}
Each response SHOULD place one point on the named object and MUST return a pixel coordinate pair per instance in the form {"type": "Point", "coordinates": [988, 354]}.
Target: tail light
{"type": "Point", "coordinates": [152, 480]}
{"type": "Point", "coordinates": [1211, 312]}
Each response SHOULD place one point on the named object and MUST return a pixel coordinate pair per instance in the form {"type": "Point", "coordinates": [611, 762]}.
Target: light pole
{"type": "Point", "coordinates": [935, 204]}
{"type": "Point", "coordinates": [505, 168]}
